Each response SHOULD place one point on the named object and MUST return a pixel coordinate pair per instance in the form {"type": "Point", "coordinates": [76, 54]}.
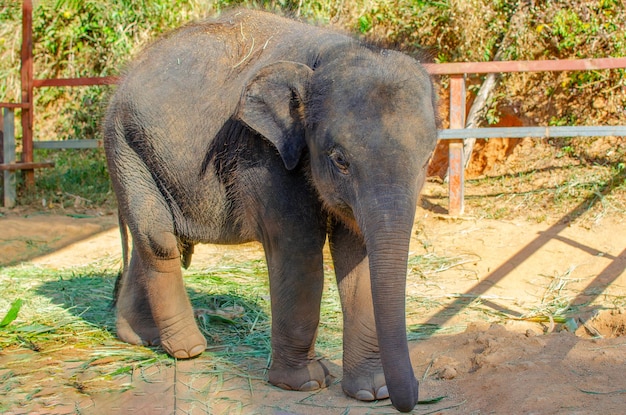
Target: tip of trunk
{"type": "Point", "coordinates": [405, 397]}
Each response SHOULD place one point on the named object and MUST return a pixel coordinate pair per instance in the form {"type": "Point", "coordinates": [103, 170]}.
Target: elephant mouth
{"type": "Point", "coordinates": [344, 213]}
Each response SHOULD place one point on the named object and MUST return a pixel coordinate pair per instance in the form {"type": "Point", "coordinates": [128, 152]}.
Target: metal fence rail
{"type": "Point", "coordinates": [536, 132]}
{"type": "Point", "coordinates": [67, 144]}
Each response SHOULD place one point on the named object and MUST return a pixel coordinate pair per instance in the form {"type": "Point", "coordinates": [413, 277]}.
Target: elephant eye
{"type": "Point", "coordinates": [339, 160]}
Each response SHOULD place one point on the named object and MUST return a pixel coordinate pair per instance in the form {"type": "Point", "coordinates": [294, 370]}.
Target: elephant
{"type": "Point", "coordinates": [252, 126]}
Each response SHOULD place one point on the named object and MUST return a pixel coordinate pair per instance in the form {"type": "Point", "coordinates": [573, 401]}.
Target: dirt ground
{"type": "Point", "coordinates": [513, 367]}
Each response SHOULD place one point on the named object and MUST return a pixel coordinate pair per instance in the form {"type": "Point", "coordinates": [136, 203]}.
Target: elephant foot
{"type": "Point", "coordinates": [181, 338]}
{"type": "Point", "coordinates": [366, 388]}
{"type": "Point", "coordinates": [313, 376]}
{"type": "Point", "coordinates": [137, 328]}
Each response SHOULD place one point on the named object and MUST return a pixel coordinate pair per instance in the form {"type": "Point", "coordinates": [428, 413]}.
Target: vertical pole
{"type": "Point", "coordinates": [455, 150]}
{"type": "Point", "coordinates": [2, 150]}
{"type": "Point", "coordinates": [27, 89]}
{"type": "Point", "coordinates": [8, 151]}
{"type": "Point", "coordinates": [1, 135]}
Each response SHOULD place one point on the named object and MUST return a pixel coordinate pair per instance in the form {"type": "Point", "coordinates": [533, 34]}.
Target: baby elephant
{"type": "Point", "coordinates": [253, 127]}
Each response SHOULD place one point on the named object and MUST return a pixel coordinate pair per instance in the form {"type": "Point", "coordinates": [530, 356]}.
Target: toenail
{"type": "Point", "coordinates": [309, 386]}
{"type": "Point", "coordinates": [181, 354]}
{"type": "Point", "coordinates": [382, 392]}
{"type": "Point", "coordinates": [196, 350]}
{"type": "Point", "coordinates": [364, 395]}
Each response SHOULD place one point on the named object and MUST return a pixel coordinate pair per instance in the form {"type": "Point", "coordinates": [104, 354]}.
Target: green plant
{"type": "Point", "coordinates": [12, 313]}
{"type": "Point", "coordinates": [79, 179]}
{"type": "Point", "coordinates": [570, 30]}
{"type": "Point", "coordinates": [450, 29]}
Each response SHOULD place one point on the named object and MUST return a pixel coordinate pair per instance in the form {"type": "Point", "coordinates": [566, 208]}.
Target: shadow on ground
{"type": "Point", "coordinates": [27, 237]}
{"type": "Point", "coordinates": [226, 318]}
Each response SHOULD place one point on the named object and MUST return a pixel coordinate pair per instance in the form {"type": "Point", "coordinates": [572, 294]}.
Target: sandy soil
{"type": "Point", "coordinates": [508, 268]}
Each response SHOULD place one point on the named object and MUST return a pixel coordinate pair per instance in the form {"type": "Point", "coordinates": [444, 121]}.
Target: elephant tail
{"type": "Point", "coordinates": [120, 275]}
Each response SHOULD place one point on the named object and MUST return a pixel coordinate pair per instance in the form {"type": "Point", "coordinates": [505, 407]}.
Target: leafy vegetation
{"type": "Point", "coordinates": [79, 179]}
{"type": "Point", "coordinates": [569, 30]}
{"type": "Point", "coordinates": [451, 30]}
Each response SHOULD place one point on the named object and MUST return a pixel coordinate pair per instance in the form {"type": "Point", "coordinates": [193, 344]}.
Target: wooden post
{"type": "Point", "coordinates": [8, 152]}
{"type": "Point", "coordinates": [27, 90]}
{"type": "Point", "coordinates": [455, 149]}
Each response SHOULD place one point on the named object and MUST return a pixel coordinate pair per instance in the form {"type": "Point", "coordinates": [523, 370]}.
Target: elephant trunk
{"type": "Point", "coordinates": [387, 235]}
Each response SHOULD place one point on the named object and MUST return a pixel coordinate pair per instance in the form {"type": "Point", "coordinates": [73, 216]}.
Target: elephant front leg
{"type": "Point", "coordinates": [363, 376]}
{"type": "Point", "coordinates": [296, 283]}
{"type": "Point", "coordinates": [153, 306]}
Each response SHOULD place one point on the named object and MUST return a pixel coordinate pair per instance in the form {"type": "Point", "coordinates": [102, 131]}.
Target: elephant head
{"type": "Point", "coordinates": [367, 120]}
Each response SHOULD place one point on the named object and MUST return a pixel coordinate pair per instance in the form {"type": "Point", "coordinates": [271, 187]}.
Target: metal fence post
{"type": "Point", "coordinates": [456, 203]}
{"type": "Point", "coordinates": [8, 151]}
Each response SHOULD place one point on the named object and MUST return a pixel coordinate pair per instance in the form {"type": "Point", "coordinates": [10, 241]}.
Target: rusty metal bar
{"type": "Point", "coordinates": [102, 80]}
{"type": "Point", "coordinates": [13, 105]}
{"type": "Point", "coordinates": [525, 66]}
{"type": "Point", "coordinates": [25, 166]}
{"type": "Point", "coordinates": [433, 68]}
{"type": "Point", "coordinates": [455, 147]}
{"type": "Point", "coordinates": [27, 89]}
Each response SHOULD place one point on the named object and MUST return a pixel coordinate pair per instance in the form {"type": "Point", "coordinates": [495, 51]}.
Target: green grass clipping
{"type": "Point", "coordinates": [12, 313]}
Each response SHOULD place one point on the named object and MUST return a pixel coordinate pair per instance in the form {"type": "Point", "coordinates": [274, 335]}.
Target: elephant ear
{"type": "Point", "coordinates": [273, 105]}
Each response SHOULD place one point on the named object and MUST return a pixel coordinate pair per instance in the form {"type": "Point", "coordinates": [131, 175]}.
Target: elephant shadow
{"type": "Point", "coordinates": [230, 319]}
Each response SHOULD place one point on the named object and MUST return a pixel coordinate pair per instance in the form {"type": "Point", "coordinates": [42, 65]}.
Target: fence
{"type": "Point", "coordinates": [456, 133]}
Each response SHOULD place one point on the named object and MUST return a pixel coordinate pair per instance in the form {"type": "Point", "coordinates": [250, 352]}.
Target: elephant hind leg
{"type": "Point", "coordinates": [153, 307]}
{"type": "Point", "coordinates": [135, 324]}
{"type": "Point", "coordinates": [172, 311]}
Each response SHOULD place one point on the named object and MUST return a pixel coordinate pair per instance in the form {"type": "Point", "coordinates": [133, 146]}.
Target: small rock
{"type": "Point", "coordinates": [598, 103]}
{"type": "Point", "coordinates": [478, 326]}
{"type": "Point", "coordinates": [448, 372]}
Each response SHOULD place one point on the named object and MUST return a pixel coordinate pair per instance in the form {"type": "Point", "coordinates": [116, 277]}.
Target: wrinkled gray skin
{"type": "Point", "coordinates": [255, 127]}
